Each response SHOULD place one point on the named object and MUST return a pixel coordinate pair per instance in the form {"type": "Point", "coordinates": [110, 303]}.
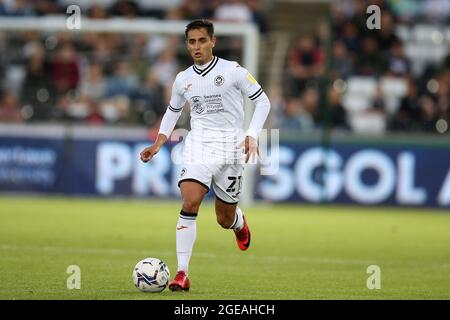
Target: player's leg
{"type": "Point", "coordinates": [192, 194]}
{"type": "Point", "coordinates": [230, 216]}
{"type": "Point", "coordinates": [227, 184]}
{"type": "Point", "coordinates": [193, 191]}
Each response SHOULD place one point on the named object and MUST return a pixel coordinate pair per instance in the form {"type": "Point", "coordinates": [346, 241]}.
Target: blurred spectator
{"type": "Point", "coordinates": [369, 61]}
{"type": "Point", "coordinates": [407, 117]}
{"type": "Point", "coordinates": [99, 50]}
{"type": "Point", "coordinates": [166, 67]}
{"type": "Point", "coordinates": [350, 36]}
{"type": "Point", "coordinates": [94, 84]}
{"type": "Point", "coordinates": [233, 11]}
{"type": "Point", "coordinates": [209, 7]}
{"type": "Point", "coordinates": [122, 82]}
{"type": "Point", "coordinates": [64, 69]}
{"type": "Point", "coordinates": [61, 110]}
{"type": "Point", "coordinates": [85, 5]}
{"type": "Point", "coordinates": [125, 8]}
{"type": "Point", "coordinates": [97, 12]}
{"type": "Point", "coordinates": [306, 62]}
{"type": "Point", "coordinates": [156, 8]}
{"type": "Point", "coordinates": [149, 100]}
{"type": "Point", "coordinates": [3, 9]}
{"type": "Point", "coordinates": [10, 109]}
{"type": "Point", "coordinates": [294, 116]}
{"type": "Point", "coordinates": [428, 114]}
{"type": "Point", "coordinates": [359, 16]}
{"type": "Point", "coordinates": [75, 109]}
{"type": "Point", "coordinates": [336, 115]}
{"type": "Point", "coordinates": [386, 36]}
{"type": "Point", "coordinates": [397, 63]}
{"type": "Point", "coordinates": [44, 7]}
{"type": "Point", "coordinates": [38, 91]}
{"type": "Point", "coordinates": [17, 8]}
{"type": "Point", "coordinates": [310, 101]}
{"type": "Point", "coordinates": [139, 63]}
{"type": "Point", "coordinates": [94, 117]}
{"type": "Point", "coordinates": [342, 63]}
{"type": "Point", "coordinates": [115, 110]}
{"type": "Point", "coordinates": [173, 14]}
{"type": "Point", "coordinates": [443, 97]}
{"type": "Point", "coordinates": [192, 9]}
{"type": "Point", "coordinates": [259, 17]}
{"type": "Point", "coordinates": [156, 44]}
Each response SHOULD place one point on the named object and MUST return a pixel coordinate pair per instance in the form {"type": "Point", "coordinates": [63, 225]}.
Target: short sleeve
{"type": "Point", "coordinates": [177, 99]}
{"type": "Point", "coordinates": [247, 83]}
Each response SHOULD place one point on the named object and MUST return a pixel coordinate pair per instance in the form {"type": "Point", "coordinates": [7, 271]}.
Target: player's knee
{"type": "Point", "coordinates": [191, 205]}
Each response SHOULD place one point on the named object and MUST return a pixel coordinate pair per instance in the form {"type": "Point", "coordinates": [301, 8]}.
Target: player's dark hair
{"type": "Point", "coordinates": [198, 24]}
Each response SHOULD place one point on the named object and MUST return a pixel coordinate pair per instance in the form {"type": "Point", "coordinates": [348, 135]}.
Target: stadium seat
{"type": "Point", "coordinates": [426, 33]}
{"type": "Point", "coordinates": [360, 93]}
{"type": "Point", "coordinates": [368, 123]}
{"type": "Point", "coordinates": [362, 85]}
{"type": "Point", "coordinates": [356, 102]}
{"type": "Point", "coordinates": [393, 89]}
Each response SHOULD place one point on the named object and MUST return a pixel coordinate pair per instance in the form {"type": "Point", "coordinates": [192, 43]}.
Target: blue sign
{"type": "Point", "coordinates": [344, 173]}
{"type": "Point", "coordinates": [348, 173]}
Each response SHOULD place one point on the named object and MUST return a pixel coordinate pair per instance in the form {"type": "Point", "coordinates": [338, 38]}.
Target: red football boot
{"type": "Point", "coordinates": [180, 283]}
{"type": "Point", "coordinates": [243, 236]}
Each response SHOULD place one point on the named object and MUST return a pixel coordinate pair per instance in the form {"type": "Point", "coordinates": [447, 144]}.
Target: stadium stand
{"type": "Point", "coordinates": [393, 79]}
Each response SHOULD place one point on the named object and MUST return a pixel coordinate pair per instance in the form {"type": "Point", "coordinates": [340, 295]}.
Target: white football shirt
{"type": "Point", "coordinates": [215, 96]}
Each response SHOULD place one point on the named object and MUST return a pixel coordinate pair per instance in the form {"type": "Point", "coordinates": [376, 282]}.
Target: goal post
{"type": "Point", "coordinates": [248, 32]}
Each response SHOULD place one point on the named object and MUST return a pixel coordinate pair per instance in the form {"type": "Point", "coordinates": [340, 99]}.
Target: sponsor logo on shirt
{"type": "Point", "coordinates": [197, 104]}
{"type": "Point", "coordinates": [211, 103]}
{"type": "Point", "coordinates": [214, 103]}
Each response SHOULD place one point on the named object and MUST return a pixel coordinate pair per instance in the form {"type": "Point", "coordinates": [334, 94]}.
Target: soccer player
{"type": "Point", "coordinates": [216, 145]}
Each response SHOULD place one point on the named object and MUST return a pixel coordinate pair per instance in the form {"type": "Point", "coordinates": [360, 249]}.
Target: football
{"type": "Point", "coordinates": [151, 275]}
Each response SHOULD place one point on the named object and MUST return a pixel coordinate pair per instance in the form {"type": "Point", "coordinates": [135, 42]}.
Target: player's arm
{"type": "Point", "coordinates": [256, 94]}
{"type": "Point", "coordinates": [262, 109]}
{"type": "Point", "coordinates": [168, 122]}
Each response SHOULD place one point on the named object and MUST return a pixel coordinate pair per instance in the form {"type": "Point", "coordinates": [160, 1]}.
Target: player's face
{"type": "Point", "coordinates": [199, 45]}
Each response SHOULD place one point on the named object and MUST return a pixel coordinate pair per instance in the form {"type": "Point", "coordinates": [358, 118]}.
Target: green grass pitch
{"type": "Point", "coordinates": [297, 252]}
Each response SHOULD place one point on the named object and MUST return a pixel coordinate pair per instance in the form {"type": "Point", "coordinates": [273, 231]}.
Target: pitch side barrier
{"type": "Point", "coordinates": [104, 162]}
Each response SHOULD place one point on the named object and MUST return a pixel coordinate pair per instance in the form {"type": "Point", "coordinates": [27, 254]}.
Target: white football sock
{"type": "Point", "coordinates": [185, 238]}
{"type": "Point", "coordinates": [238, 223]}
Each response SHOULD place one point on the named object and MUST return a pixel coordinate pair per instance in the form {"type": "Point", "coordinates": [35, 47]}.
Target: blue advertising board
{"type": "Point", "coordinates": [351, 173]}
{"type": "Point", "coordinates": [307, 172]}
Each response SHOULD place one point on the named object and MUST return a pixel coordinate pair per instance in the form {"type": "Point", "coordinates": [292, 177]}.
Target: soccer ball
{"type": "Point", "coordinates": [151, 275]}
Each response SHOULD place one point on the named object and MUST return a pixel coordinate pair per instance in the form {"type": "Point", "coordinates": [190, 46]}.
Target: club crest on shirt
{"type": "Point", "coordinates": [219, 80]}
{"type": "Point", "coordinates": [197, 104]}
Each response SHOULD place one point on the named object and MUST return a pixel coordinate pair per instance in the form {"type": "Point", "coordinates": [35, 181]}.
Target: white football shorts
{"type": "Point", "coordinates": [225, 178]}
